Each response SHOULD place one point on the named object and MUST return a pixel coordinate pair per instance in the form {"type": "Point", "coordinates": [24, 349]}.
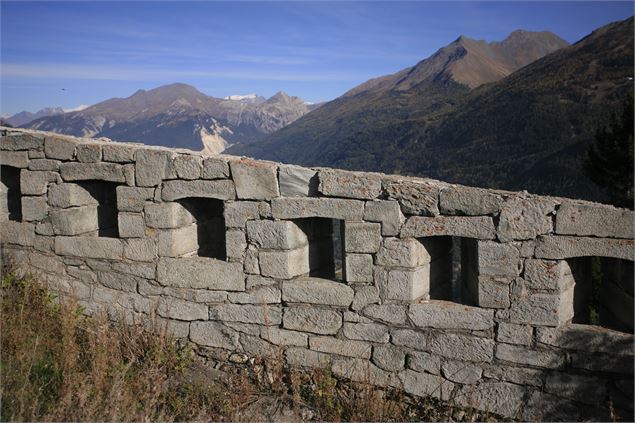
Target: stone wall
{"type": "Point", "coordinates": [474, 296]}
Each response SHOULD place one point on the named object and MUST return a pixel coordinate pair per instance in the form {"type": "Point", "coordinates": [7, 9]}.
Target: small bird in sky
{"type": "Point", "coordinates": [63, 89]}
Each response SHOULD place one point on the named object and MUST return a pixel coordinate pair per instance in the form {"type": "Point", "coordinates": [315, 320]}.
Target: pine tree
{"type": "Point", "coordinates": [609, 162]}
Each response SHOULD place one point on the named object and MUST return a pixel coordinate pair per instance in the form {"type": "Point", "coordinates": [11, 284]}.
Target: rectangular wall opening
{"type": "Point", "coordinates": [105, 193]}
{"type": "Point", "coordinates": [10, 197]}
{"type": "Point", "coordinates": [210, 226]}
{"type": "Point", "coordinates": [603, 292]}
{"type": "Point", "coordinates": [326, 247]}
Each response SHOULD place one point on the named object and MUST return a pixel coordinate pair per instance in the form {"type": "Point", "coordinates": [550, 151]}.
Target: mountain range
{"type": "Point", "coordinates": [178, 115]}
{"type": "Point", "coordinates": [515, 114]}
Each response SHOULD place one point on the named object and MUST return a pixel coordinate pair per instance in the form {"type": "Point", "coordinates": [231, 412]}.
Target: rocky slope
{"type": "Point", "coordinates": [25, 117]}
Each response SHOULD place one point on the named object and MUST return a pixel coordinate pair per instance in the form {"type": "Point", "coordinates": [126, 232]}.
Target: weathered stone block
{"type": "Point", "coordinates": [388, 213]}
{"type": "Point", "coordinates": [317, 291]}
{"type": "Point", "coordinates": [89, 247]}
{"type": "Point", "coordinates": [592, 389]}
{"type": "Point", "coordinates": [75, 220]}
{"type": "Point", "coordinates": [478, 227]}
{"type": "Point", "coordinates": [284, 337]}
{"type": "Point", "coordinates": [365, 295]}
{"type": "Point", "coordinates": [20, 233]}
{"type": "Point", "coordinates": [501, 398]}
{"type": "Point", "coordinates": [341, 183]}
{"type": "Point", "coordinates": [536, 358]}
{"type": "Point", "coordinates": [88, 153]}
{"type": "Point", "coordinates": [214, 168]}
{"type": "Point", "coordinates": [59, 148]}
{"type": "Point", "coordinates": [374, 332]}
{"type": "Point", "coordinates": [543, 309]}
{"type": "Point", "coordinates": [188, 167]}
{"type": "Point", "coordinates": [363, 371]}
{"type": "Point", "coordinates": [517, 375]}
{"type": "Point", "coordinates": [423, 384]}
{"type": "Point", "coordinates": [359, 268]}
{"type": "Point", "coordinates": [322, 321]}
{"type": "Point", "coordinates": [213, 334]}
{"type": "Point", "coordinates": [255, 180]}
{"type": "Point", "coordinates": [19, 159]}
{"type": "Point", "coordinates": [561, 247]}
{"type": "Point", "coordinates": [44, 164]}
{"type": "Point", "coordinates": [392, 359]}
{"type": "Point", "coordinates": [119, 153]}
{"type": "Point", "coordinates": [424, 362]}
{"type": "Point", "coordinates": [237, 213]}
{"type": "Point", "coordinates": [285, 264]}
{"type": "Point", "coordinates": [415, 197]}
{"type": "Point", "coordinates": [34, 208]}
{"type": "Point", "coordinates": [496, 259]}
{"type": "Point", "coordinates": [598, 220]}
{"type": "Point", "coordinates": [133, 199]}
{"type": "Point", "coordinates": [526, 218]}
{"type": "Point", "coordinates": [35, 182]}
{"type": "Point", "coordinates": [389, 313]}
{"type": "Point", "coordinates": [110, 172]}
{"type": "Point", "coordinates": [22, 141]}
{"type": "Point", "coordinates": [246, 313]}
{"type": "Point", "coordinates": [258, 295]}
{"type": "Point", "coordinates": [167, 216]}
{"type": "Point", "coordinates": [548, 274]}
{"type": "Point", "coordinates": [118, 281]}
{"type": "Point", "coordinates": [152, 166]}
{"type": "Point", "coordinates": [409, 338]}
{"type": "Point", "coordinates": [462, 347]}
{"type": "Point", "coordinates": [69, 195]}
{"type": "Point", "coordinates": [222, 189]}
{"type": "Point", "coordinates": [493, 291]}
{"type": "Point", "coordinates": [279, 235]}
{"type": "Point", "coordinates": [200, 272]}
{"type": "Point", "coordinates": [337, 346]}
{"type": "Point", "coordinates": [514, 334]}
{"type": "Point", "coordinates": [303, 357]}
{"type": "Point", "coordinates": [236, 244]}
{"type": "Point", "coordinates": [459, 200]}
{"type": "Point", "coordinates": [407, 285]}
{"type": "Point", "coordinates": [334, 208]}
{"type": "Point", "coordinates": [140, 250]}
{"type": "Point", "coordinates": [402, 253]}
{"type": "Point", "coordinates": [362, 237]}
{"type": "Point", "coordinates": [588, 338]}
{"type": "Point", "coordinates": [174, 308]}
{"type": "Point", "coordinates": [131, 225]}
{"type": "Point", "coordinates": [297, 181]}
{"type": "Point", "coordinates": [461, 372]}
{"type": "Point", "coordinates": [449, 315]}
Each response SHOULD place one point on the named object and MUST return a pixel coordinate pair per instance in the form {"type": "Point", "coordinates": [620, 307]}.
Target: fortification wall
{"type": "Point", "coordinates": [474, 296]}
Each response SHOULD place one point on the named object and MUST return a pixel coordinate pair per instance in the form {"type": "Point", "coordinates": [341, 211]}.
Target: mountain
{"type": "Point", "coordinates": [25, 117]}
{"type": "Point", "coordinates": [529, 130]}
{"type": "Point", "coordinates": [178, 115]}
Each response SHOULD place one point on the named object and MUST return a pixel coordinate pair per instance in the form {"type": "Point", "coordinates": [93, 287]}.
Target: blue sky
{"type": "Point", "coordinates": [315, 50]}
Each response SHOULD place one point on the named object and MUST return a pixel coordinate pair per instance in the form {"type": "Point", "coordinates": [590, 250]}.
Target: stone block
{"type": "Point", "coordinates": [330, 345]}
{"type": "Point", "coordinates": [44, 164]}
{"type": "Point", "coordinates": [415, 197]}
{"type": "Point", "coordinates": [582, 219]}
{"type": "Point", "coordinates": [167, 216]}
{"type": "Point", "coordinates": [237, 213]}
{"type": "Point", "coordinates": [459, 200]}
{"type": "Point", "coordinates": [561, 247]}
{"type": "Point", "coordinates": [236, 244]}
{"type": "Point", "coordinates": [285, 264]}
{"type": "Point", "coordinates": [69, 195]}
{"type": "Point", "coordinates": [317, 291]}
{"type": "Point", "coordinates": [424, 362]}
{"type": "Point", "coordinates": [359, 268]}
{"type": "Point", "coordinates": [34, 208]}
{"type": "Point", "coordinates": [22, 141]}
{"type": "Point", "coordinates": [333, 208]}
{"type": "Point", "coordinates": [389, 358]}
{"type": "Point", "coordinates": [152, 166]}
{"type": "Point", "coordinates": [303, 357]}
{"type": "Point", "coordinates": [363, 371]}
{"type": "Point", "coordinates": [221, 189]}
{"type": "Point", "coordinates": [477, 227]}
{"type": "Point", "coordinates": [118, 281]}
{"type": "Point", "coordinates": [255, 180]}
{"type": "Point", "coordinates": [461, 372]}
{"type": "Point", "coordinates": [605, 363]}
{"type": "Point", "coordinates": [133, 199]}
{"type": "Point", "coordinates": [525, 356]}
{"type": "Point", "coordinates": [110, 172]}
{"type": "Point", "coordinates": [258, 295]}
{"type": "Point", "coordinates": [409, 338]}
{"type": "Point", "coordinates": [517, 375]}
{"type": "Point", "coordinates": [402, 253]}
{"type": "Point", "coordinates": [131, 225]}
{"type": "Point", "coordinates": [252, 265]}
{"type": "Point", "coordinates": [322, 321]}
{"type": "Point", "coordinates": [297, 181]}
{"type": "Point", "coordinates": [140, 250]}
{"type": "Point", "coordinates": [59, 148]}
{"type": "Point", "coordinates": [510, 333]}
{"type": "Point", "coordinates": [88, 153]}
{"type": "Point", "coordinates": [200, 273]}
{"type": "Point", "coordinates": [501, 398]}
{"type": "Point", "coordinates": [449, 315]}
{"type": "Point", "coordinates": [118, 153]}
{"type": "Point", "coordinates": [35, 182]}
{"type": "Point", "coordinates": [75, 220]}
{"type": "Point", "coordinates": [279, 235]}
{"type": "Point", "coordinates": [341, 183]}
{"type": "Point", "coordinates": [423, 384]}
{"type": "Point", "coordinates": [362, 237]}
{"type": "Point", "coordinates": [214, 334]}
{"type": "Point", "coordinates": [593, 339]}
{"type": "Point", "coordinates": [496, 259]}
{"type": "Point", "coordinates": [174, 308]}
{"type": "Point", "coordinates": [89, 247]}
{"type": "Point", "coordinates": [591, 389]}
{"type": "Point", "coordinates": [462, 347]}
{"type": "Point", "coordinates": [526, 218]}
{"type": "Point", "coordinates": [187, 166]}
{"type": "Point", "coordinates": [548, 274]}
{"type": "Point", "coordinates": [19, 159]}
{"type": "Point", "coordinates": [388, 213]}
{"type": "Point", "coordinates": [364, 296]}
{"type": "Point", "coordinates": [493, 291]}
{"type": "Point", "coordinates": [407, 285]}
{"type": "Point", "coordinates": [543, 309]}
{"type": "Point", "coordinates": [389, 313]}
{"type": "Point", "coordinates": [255, 346]}
{"type": "Point", "coordinates": [214, 168]}
{"type": "Point", "coordinates": [373, 332]}
{"type": "Point", "coordinates": [284, 337]}
{"type": "Point", "coordinates": [246, 313]}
